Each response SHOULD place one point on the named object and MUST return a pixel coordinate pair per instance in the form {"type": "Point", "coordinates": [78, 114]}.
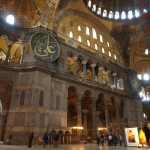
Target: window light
{"type": "Point", "coordinates": [130, 14]}
{"type": "Point", "coordinates": [96, 47]}
{"type": "Point", "coordinates": [94, 33]}
{"type": "Point", "coordinates": [123, 15]}
{"type": "Point", "coordinates": [94, 8]}
{"type": "Point", "coordinates": [105, 13]}
{"type": "Point", "coordinates": [115, 57]}
{"type": "Point", "coordinates": [10, 19]}
{"type": "Point", "coordinates": [87, 31]}
{"type": "Point", "coordinates": [137, 13]}
{"type": "Point", "coordinates": [88, 43]}
{"type": "Point", "coordinates": [109, 54]}
{"type": "Point", "coordinates": [108, 44]}
{"type": "Point", "coordinates": [79, 38]}
{"type": "Point", "coordinates": [103, 50]}
{"type": "Point", "coordinates": [101, 38]}
{"type": "Point", "coordinates": [146, 52]}
{"type": "Point", "coordinates": [146, 76]}
{"type": "Point", "coordinates": [79, 28]}
{"type": "Point", "coordinates": [110, 14]}
{"type": "Point", "coordinates": [89, 4]}
{"type": "Point", "coordinates": [116, 15]}
{"type": "Point", "coordinates": [99, 11]}
{"type": "Point", "coordinates": [139, 76]}
{"type": "Point", "coordinates": [71, 34]}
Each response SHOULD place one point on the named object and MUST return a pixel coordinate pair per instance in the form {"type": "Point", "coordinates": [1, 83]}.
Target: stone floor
{"type": "Point", "coordinates": [70, 147]}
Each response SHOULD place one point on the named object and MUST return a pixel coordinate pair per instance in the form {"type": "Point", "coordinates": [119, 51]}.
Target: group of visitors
{"type": "Point", "coordinates": [45, 139]}
{"type": "Point", "coordinates": [113, 139]}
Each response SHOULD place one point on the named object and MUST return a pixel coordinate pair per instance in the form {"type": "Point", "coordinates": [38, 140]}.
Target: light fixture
{"type": "Point", "coordinates": [10, 19]}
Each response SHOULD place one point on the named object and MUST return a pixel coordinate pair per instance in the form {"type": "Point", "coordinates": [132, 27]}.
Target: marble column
{"type": "Point", "coordinates": [79, 117]}
{"type": "Point", "coordinates": [107, 117]}
{"type": "Point", "coordinates": [108, 75]}
{"type": "Point", "coordinates": [93, 71]}
{"type": "Point", "coordinates": [101, 75]}
{"type": "Point", "coordinates": [115, 79]}
{"type": "Point", "coordinates": [94, 122]}
{"type": "Point", "coordinates": [75, 67]}
{"type": "Point", "coordinates": [84, 68]}
{"type": "Point", "coordinates": [85, 121]}
{"type": "Point", "coordinates": [97, 119]}
{"type": "Point", "coordinates": [117, 115]}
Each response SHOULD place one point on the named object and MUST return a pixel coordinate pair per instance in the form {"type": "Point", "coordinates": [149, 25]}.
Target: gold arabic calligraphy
{"type": "Point", "coordinates": [41, 50]}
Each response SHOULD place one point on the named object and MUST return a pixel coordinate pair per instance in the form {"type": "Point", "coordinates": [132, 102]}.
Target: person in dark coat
{"type": "Point", "coordinates": [98, 140]}
{"type": "Point", "coordinates": [31, 136]}
{"type": "Point", "coordinates": [45, 139]}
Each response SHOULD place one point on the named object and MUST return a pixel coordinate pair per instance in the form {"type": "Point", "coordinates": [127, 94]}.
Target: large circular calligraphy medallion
{"type": "Point", "coordinates": [44, 46]}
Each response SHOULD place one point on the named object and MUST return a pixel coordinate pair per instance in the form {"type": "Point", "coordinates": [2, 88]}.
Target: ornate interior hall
{"type": "Point", "coordinates": [73, 68]}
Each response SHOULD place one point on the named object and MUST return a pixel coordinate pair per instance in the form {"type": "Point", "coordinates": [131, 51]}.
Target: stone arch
{"type": "Point", "coordinates": [86, 106]}
{"type": "Point", "coordinates": [100, 109]}
{"type": "Point", "coordinates": [72, 107]}
{"type": "Point", "coordinates": [6, 87]}
{"type": "Point", "coordinates": [112, 113]}
{"type": "Point", "coordinates": [61, 134]}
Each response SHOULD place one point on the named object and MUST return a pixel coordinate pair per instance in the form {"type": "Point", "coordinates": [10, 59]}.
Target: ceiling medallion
{"type": "Point", "coordinates": [44, 46]}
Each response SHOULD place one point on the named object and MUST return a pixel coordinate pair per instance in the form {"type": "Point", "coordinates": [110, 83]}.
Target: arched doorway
{"type": "Point", "coordinates": [86, 106]}
{"type": "Point", "coordinates": [72, 107]}
{"type": "Point", "coordinates": [5, 96]}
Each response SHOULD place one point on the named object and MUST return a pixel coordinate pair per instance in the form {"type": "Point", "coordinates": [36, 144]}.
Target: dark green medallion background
{"type": "Point", "coordinates": [44, 46]}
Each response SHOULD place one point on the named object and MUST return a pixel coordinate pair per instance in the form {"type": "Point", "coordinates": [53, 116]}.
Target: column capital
{"type": "Point", "coordinates": [75, 58]}
{"type": "Point", "coordinates": [84, 62]}
{"type": "Point", "coordinates": [108, 71]}
{"type": "Point", "coordinates": [85, 111]}
{"type": "Point", "coordinates": [93, 65]}
{"type": "Point", "coordinates": [114, 74]}
{"type": "Point", "coordinates": [101, 68]}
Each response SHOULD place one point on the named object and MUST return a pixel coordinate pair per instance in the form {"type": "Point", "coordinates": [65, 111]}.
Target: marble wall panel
{"type": "Point", "coordinates": [19, 119]}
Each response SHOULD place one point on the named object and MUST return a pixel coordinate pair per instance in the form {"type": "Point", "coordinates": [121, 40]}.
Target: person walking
{"type": "Point", "coordinates": [31, 136]}
{"type": "Point", "coordinates": [102, 139]}
{"type": "Point", "coordinates": [98, 140]}
{"type": "Point", "coordinates": [120, 140]}
{"type": "Point", "coordinates": [45, 139]}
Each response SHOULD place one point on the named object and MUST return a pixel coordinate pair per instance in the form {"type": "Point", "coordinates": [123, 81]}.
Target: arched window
{"type": "Point", "coordinates": [104, 13]}
{"type": "Point", "coordinates": [94, 8]}
{"type": "Point", "coordinates": [137, 13]}
{"type": "Point", "coordinates": [96, 47]}
{"type": "Point", "coordinates": [79, 28]}
{"type": "Point", "coordinates": [103, 50]}
{"type": "Point", "coordinates": [110, 14]}
{"type": "Point", "coordinates": [109, 54]}
{"type": "Point", "coordinates": [108, 44]}
{"type": "Point", "coordinates": [115, 57]}
{"type": "Point", "coordinates": [146, 52]}
{"type": "Point", "coordinates": [58, 103]}
{"type": "Point", "coordinates": [130, 14]}
{"type": "Point", "coordinates": [146, 76]}
{"type": "Point", "coordinates": [139, 76]}
{"type": "Point", "coordinates": [87, 30]}
{"type": "Point", "coordinates": [101, 38]}
{"type": "Point", "coordinates": [116, 15]}
{"type": "Point", "coordinates": [99, 11]}
{"type": "Point", "coordinates": [71, 34]}
{"type": "Point", "coordinates": [123, 15]}
{"type": "Point", "coordinates": [79, 38]}
{"type": "Point", "coordinates": [88, 43]}
{"type": "Point", "coordinates": [94, 33]}
{"type": "Point", "coordinates": [89, 4]}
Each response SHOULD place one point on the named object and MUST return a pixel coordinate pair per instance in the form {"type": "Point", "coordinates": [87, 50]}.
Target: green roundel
{"type": "Point", "coordinates": [44, 46]}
